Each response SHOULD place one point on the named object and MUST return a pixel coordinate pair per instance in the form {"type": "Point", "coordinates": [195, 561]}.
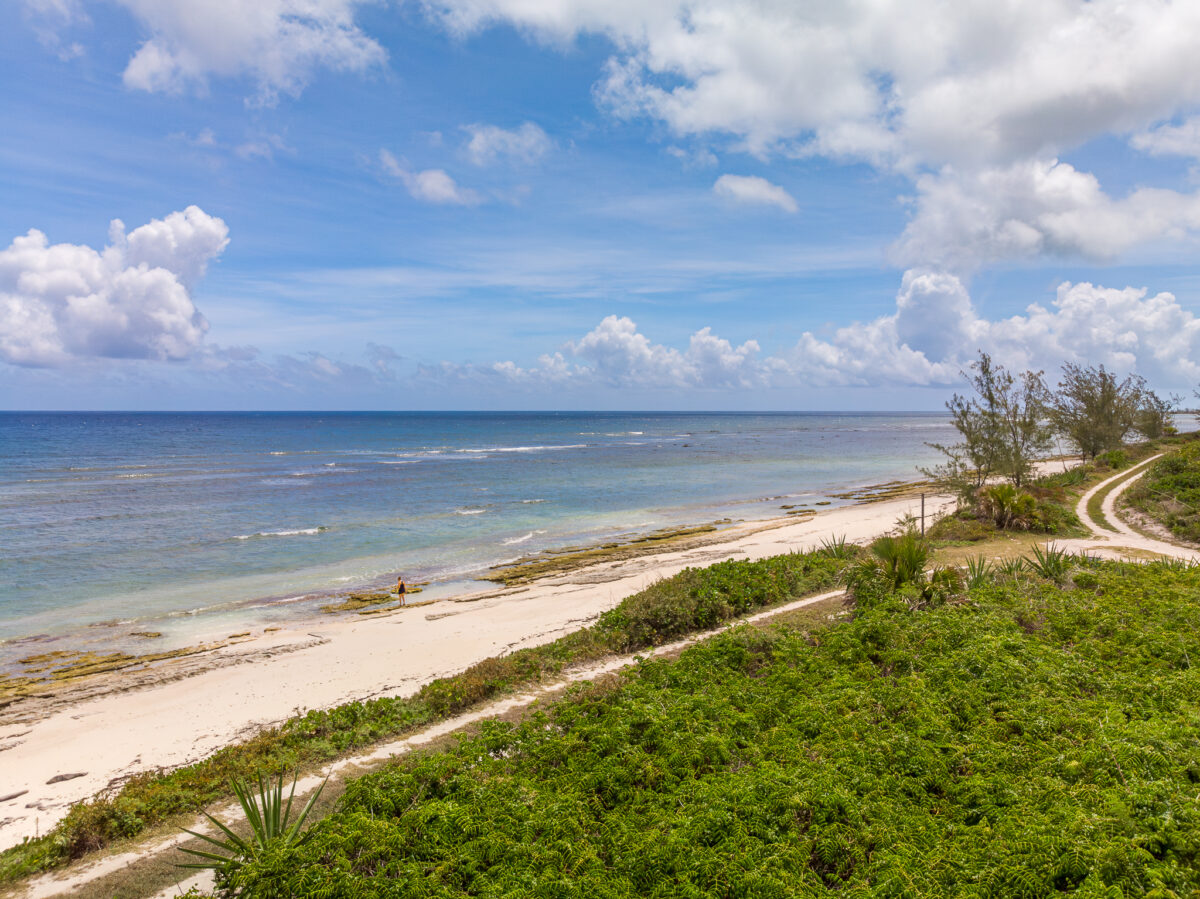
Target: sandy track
{"type": "Point", "coordinates": [1119, 540]}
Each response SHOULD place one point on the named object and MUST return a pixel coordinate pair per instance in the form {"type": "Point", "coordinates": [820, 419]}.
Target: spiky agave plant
{"type": "Point", "coordinates": [271, 829]}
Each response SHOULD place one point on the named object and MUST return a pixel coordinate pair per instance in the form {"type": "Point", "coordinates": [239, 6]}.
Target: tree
{"type": "Point", "coordinates": [1098, 413]}
{"type": "Point", "coordinates": [1002, 428]}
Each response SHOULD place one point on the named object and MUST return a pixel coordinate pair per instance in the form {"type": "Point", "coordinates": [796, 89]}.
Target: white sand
{"type": "Point", "coordinates": [169, 723]}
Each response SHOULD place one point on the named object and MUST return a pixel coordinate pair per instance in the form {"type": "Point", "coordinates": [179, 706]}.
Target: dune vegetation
{"type": "Point", "coordinates": [1021, 737]}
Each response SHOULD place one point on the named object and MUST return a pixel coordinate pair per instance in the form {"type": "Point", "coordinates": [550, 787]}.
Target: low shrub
{"type": "Point", "coordinates": [1030, 742]}
{"type": "Point", "coordinates": [961, 527]}
{"type": "Point", "coordinates": [1116, 460]}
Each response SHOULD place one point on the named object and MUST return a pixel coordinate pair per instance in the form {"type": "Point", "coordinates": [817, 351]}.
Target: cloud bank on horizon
{"type": "Point", "coordinates": [1030, 132]}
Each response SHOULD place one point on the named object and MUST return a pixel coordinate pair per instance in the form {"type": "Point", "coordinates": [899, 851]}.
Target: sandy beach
{"type": "Point", "coordinates": [59, 750]}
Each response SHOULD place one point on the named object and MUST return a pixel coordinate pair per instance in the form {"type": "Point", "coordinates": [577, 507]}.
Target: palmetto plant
{"type": "Point", "coordinates": [895, 562]}
{"type": "Point", "coordinates": [1008, 507]}
{"type": "Point", "coordinates": [272, 829]}
{"type": "Point", "coordinates": [902, 558]}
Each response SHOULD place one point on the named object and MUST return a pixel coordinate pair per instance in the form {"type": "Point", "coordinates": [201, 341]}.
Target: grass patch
{"type": "Point", "coordinates": [691, 601]}
{"type": "Point", "coordinates": [1024, 740]}
{"type": "Point", "coordinates": [1095, 505]}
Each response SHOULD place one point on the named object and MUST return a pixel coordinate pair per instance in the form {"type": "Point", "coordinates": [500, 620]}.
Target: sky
{"type": "Point", "coordinates": [591, 204]}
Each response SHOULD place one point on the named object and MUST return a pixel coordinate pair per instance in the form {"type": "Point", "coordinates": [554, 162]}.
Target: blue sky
{"type": "Point", "coordinates": [496, 204]}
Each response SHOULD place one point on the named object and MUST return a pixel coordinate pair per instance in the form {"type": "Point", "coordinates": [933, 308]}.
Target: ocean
{"type": "Point", "coordinates": [196, 523]}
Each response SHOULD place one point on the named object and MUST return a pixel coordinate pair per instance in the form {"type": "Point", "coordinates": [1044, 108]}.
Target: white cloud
{"type": "Point", "coordinates": [615, 353]}
{"type": "Point", "coordinates": [1171, 140]}
{"type": "Point", "coordinates": [934, 332]}
{"type": "Point", "coordinates": [752, 190]}
{"type": "Point", "coordinates": [430, 185]}
{"type": "Point", "coordinates": [264, 146]}
{"type": "Point", "coordinates": [695, 158]}
{"type": "Point", "coordinates": [1033, 208]}
{"type": "Point", "coordinates": [943, 82]}
{"type": "Point", "coordinates": [276, 43]}
{"type": "Point", "coordinates": [980, 92]}
{"type": "Point", "coordinates": [50, 18]}
{"type": "Point", "coordinates": [131, 300]}
{"type": "Point", "coordinates": [526, 144]}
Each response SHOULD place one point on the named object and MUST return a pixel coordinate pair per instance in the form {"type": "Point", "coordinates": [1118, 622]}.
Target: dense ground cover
{"type": "Point", "coordinates": [1170, 492]}
{"type": "Point", "coordinates": [694, 600]}
{"type": "Point", "coordinates": [1024, 740]}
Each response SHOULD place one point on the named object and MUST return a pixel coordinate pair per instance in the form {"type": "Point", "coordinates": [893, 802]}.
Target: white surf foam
{"type": "Point", "coordinates": [306, 532]}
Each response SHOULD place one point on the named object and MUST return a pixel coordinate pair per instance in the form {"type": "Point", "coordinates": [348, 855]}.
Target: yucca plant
{"type": "Point", "coordinates": [272, 830]}
{"type": "Point", "coordinates": [979, 571]}
{"type": "Point", "coordinates": [1011, 569]}
{"type": "Point", "coordinates": [836, 548]}
{"type": "Point", "coordinates": [1051, 563]}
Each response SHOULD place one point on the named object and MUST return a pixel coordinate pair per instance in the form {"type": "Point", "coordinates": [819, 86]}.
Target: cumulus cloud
{"type": "Point", "coordinates": [948, 82]}
{"type": "Point", "coordinates": [932, 334]}
{"type": "Point", "coordinates": [488, 143]}
{"type": "Point", "coordinates": [131, 300]}
{"type": "Point", "coordinates": [430, 185]}
{"type": "Point", "coordinates": [617, 354]}
{"type": "Point", "coordinates": [936, 329]}
{"type": "Point", "coordinates": [1170, 140]}
{"type": "Point", "coordinates": [278, 44]}
{"type": "Point", "coordinates": [964, 219]}
{"type": "Point", "coordinates": [752, 190]}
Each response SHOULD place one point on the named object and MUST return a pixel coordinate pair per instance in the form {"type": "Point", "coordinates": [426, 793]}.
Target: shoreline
{"type": "Point", "coordinates": [59, 748]}
{"type": "Point", "coordinates": [213, 624]}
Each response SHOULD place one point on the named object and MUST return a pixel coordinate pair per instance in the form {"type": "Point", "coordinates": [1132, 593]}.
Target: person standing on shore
{"type": "Point", "coordinates": [401, 590]}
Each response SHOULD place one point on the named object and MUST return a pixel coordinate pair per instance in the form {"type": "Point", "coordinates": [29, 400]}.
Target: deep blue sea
{"type": "Point", "coordinates": [168, 520]}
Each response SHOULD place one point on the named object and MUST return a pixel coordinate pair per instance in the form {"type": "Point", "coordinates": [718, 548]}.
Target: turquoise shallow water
{"type": "Point", "coordinates": [189, 518]}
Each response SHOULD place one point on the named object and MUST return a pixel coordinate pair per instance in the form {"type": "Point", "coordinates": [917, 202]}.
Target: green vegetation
{"type": "Point", "coordinates": [1044, 507]}
{"type": "Point", "coordinates": [1009, 420]}
{"type": "Point", "coordinates": [1023, 740]}
{"type": "Point", "coordinates": [693, 600]}
{"type": "Point", "coordinates": [1001, 429]}
{"type": "Point", "coordinates": [1170, 492]}
{"type": "Point", "coordinates": [1098, 414]}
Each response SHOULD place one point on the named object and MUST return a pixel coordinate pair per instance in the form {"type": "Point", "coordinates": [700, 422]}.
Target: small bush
{"type": "Point", "coordinates": [961, 527]}
{"type": "Point", "coordinates": [1116, 459]}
